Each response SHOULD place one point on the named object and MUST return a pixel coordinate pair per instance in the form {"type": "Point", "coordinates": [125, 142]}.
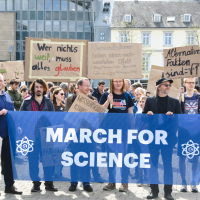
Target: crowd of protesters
{"type": "Point", "coordinates": [125, 98]}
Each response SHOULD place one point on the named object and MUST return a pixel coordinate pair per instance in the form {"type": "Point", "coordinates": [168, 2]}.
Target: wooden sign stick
{"type": "Point", "coordinates": [111, 103]}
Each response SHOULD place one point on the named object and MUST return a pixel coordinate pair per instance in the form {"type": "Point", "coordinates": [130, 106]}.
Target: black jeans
{"type": "Point", "coordinates": [167, 164]}
{"type": "Point", "coordinates": [8, 173]}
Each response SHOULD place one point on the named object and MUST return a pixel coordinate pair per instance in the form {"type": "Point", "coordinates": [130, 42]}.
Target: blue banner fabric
{"type": "Point", "coordinates": [91, 147]}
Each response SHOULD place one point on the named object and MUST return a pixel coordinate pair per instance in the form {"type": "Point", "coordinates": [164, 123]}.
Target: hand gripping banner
{"type": "Point", "coordinates": [99, 147]}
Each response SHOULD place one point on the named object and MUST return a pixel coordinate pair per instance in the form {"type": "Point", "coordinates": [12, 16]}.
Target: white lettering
{"type": "Point", "coordinates": [71, 135]}
{"type": "Point", "coordinates": [66, 158]}
{"type": "Point", "coordinates": [144, 160]}
{"type": "Point", "coordinates": [96, 138]}
{"type": "Point", "coordinates": [117, 160]}
{"type": "Point", "coordinates": [141, 137]}
{"type": "Point", "coordinates": [132, 135]}
{"type": "Point", "coordinates": [161, 136]}
{"type": "Point", "coordinates": [54, 136]}
{"type": "Point", "coordinates": [101, 160]}
{"type": "Point", "coordinates": [126, 160]}
{"type": "Point", "coordinates": [118, 136]}
{"type": "Point", "coordinates": [77, 161]}
{"type": "Point", "coordinates": [85, 136]}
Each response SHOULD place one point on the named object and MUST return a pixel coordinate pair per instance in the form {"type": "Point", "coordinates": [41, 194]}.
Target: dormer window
{"type": "Point", "coordinates": [127, 18]}
{"type": "Point", "coordinates": [157, 18]}
{"type": "Point", "coordinates": [171, 19]}
{"type": "Point", "coordinates": [186, 18]}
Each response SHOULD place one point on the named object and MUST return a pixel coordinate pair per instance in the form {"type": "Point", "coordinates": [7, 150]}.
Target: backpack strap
{"type": "Point", "coordinates": [198, 95]}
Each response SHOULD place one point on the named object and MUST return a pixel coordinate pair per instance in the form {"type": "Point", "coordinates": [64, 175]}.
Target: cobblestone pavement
{"type": "Point", "coordinates": [134, 192]}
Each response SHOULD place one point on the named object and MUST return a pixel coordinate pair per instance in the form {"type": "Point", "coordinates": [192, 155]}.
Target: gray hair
{"type": "Point", "coordinates": [64, 86]}
{"type": "Point", "coordinates": [80, 81]}
{"type": "Point", "coordinates": [128, 81]}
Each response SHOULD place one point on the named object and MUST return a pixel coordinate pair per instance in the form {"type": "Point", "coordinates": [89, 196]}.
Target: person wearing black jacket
{"type": "Point", "coordinates": [163, 104]}
{"type": "Point", "coordinates": [99, 90]}
{"type": "Point", "coordinates": [38, 102]}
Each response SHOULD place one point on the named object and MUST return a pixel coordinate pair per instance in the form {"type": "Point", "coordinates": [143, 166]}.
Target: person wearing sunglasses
{"type": "Point", "coordinates": [163, 104]}
{"type": "Point", "coordinates": [58, 99]}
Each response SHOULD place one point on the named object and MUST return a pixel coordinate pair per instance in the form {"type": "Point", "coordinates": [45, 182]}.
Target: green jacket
{"type": "Point", "coordinates": [17, 98]}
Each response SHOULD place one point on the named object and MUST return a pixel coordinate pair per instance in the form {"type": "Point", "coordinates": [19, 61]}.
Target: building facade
{"type": "Point", "coordinates": [64, 19]}
{"type": "Point", "coordinates": [158, 25]}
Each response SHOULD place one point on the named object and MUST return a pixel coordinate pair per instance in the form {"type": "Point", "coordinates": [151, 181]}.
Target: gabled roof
{"type": "Point", "coordinates": [143, 11]}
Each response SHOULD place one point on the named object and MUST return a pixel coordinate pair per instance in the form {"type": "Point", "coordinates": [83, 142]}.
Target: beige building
{"type": "Point", "coordinates": [158, 25]}
{"type": "Point", "coordinates": [7, 32]}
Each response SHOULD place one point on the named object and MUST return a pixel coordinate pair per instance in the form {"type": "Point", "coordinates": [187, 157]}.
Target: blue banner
{"type": "Point", "coordinates": [99, 147]}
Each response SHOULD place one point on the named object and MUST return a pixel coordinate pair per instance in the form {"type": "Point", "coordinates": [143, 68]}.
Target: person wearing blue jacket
{"type": "Point", "coordinates": [6, 104]}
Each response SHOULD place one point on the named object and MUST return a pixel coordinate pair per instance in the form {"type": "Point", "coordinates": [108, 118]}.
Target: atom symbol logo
{"type": "Point", "coordinates": [190, 149]}
{"type": "Point", "coordinates": [24, 146]}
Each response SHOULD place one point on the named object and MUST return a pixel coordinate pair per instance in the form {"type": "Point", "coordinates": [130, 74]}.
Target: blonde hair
{"type": "Point", "coordinates": [185, 79]}
{"type": "Point", "coordinates": [139, 89]}
{"type": "Point", "coordinates": [144, 97]}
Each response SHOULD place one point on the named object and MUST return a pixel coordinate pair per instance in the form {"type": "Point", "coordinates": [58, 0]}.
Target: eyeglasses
{"type": "Point", "coordinates": [117, 81]}
{"type": "Point", "coordinates": [61, 94]}
{"type": "Point", "coordinates": [167, 85]}
{"type": "Point", "coordinates": [191, 83]}
{"type": "Point", "coordinates": [86, 85]}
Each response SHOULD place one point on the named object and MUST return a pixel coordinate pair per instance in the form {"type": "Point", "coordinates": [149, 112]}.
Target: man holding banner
{"type": "Point", "coordinates": [38, 102]}
{"type": "Point", "coordinates": [6, 104]}
{"type": "Point", "coordinates": [163, 104]}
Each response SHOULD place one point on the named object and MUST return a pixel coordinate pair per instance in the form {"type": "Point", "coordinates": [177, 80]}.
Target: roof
{"type": "Point", "coordinates": [143, 12]}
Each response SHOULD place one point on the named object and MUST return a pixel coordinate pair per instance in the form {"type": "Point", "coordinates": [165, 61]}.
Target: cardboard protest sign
{"type": "Point", "coordinates": [55, 59]}
{"type": "Point", "coordinates": [83, 103]}
{"type": "Point", "coordinates": [108, 60]}
{"type": "Point", "coordinates": [12, 70]}
{"type": "Point", "coordinates": [157, 73]}
{"type": "Point", "coordinates": [182, 62]}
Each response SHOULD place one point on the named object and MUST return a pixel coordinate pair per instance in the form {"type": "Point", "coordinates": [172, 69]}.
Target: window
{"type": "Point", "coordinates": [40, 5]}
{"type": "Point", "coordinates": [25, 25]}
{"type": "Point", "coordinates": [56, 5]}
{"type": "Point", "coordinates": [32, 15]}
{"type": "Point", "coordinates": [56, 26]}
{"type": "Point", "coordinates": [72, 35]}
{"type": "Point", "coordinates": [48, 15]}
{"type": "Point", "coordinates": [64, 15]}
{"type": "Point", "coordinates": [71, 26]}
{"type": "Point", "coordinates": [48, 5]}
{"type": "Point", "coordinates": [48, 35]}
{"type": "Point", "coordinates": [190, 39]}
{"type": "Point", "coordinates": [168, 40]}
{"type": "Point", "coordinates": [32, 25]}
{"type": "Point", "coordinates": [186, 18]}
{"type": "Point", "coordinates": [2, 5]}
{"type": "Point", "coordinates": [88, 6]}
{"type": "Point", "coordinates": [80, 35]}
{"type": "Point", "coordinates": [127, 18]}
{"type": "Point", "coordinates": [146, 63]}
{"type": "Point", "coordinates": [40, 15]}
{"type": "Point", "coordinates": [9, 5]}
{"type": "Point", "coordinates": [24, 4]}
{"type": "Point", "coordinates": [87, 27]}
{"type": "Point", "coordinates": [80, 6]}
{"type": "Point", "coordinates": [25, 15]}
{"type": "Point", "coordinates": [64, 26]}
{"type": "Point", "coordinates": [146, 39]}
{"type": "Point", "coordinates": [79, 16]}
{"type": "Point", "coordinates": [48, 26]}
{"type": "Point", "coordinates": [79, 26]}
{"type": "Point", "coordinates": [64, 5]}
{"type": "Point", "coordinates": [56, 15]}
{"type": "Point", "coordinates": [64, 35]}
{"type": "Point", "coordinates": [32, 5]}
{"type": "Point", "coordinates": [157, 18]}
{"type": "Point", "coordinates": [72, 5]}
{"type": "Point", "coordinates": [17, 4]}
{"type": "Point", "coordinates": [71, 15]}
{"type": "Point", "coordinates": [18, 46]}
{"type": "Point", "coordinates": [123, 37]}
{"type": "Point", "coordinates": [40, 26]}
{"type": "Point", "coordinates": [18, 25]}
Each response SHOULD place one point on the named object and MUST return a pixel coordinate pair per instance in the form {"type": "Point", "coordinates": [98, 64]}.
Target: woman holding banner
{"type": "Point", "coordinates": [117, 101]}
